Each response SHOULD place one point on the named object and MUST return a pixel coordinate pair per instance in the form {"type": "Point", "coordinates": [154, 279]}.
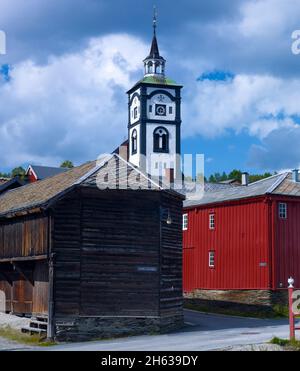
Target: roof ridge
{"type": "Point", "coordinates": [265, 179]}
{"type": "Point", "coordinates": [279, 181]}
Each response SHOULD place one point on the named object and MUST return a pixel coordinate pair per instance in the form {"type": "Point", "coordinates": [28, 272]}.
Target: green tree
{"type": "Point", "coordinates": [235, 174]}
{"type": "Point", "coordinates": [4, 175]}
{"type": "Point", "coordinates": [18, 171]}
{"type": "Point", "coordinates": [67, 164]}
{"type": "Point", "coordinates": [256, 177]}
{"type": "Point", "coordinates": [212, 179]}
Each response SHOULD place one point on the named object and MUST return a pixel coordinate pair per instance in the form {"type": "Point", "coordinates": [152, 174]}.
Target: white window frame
{"type": "Point", "coordinates": [282, 210]}
{"type": "Point", "coordinates": [212, 259]}
{"type": "Point", "coordinates": [185, 222]}
{"type": "Point", "coordinates": [212, 221]}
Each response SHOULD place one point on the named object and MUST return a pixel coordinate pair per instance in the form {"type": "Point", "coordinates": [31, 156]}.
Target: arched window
{"type": "Point", "coordinates": [150, 68]}
{"type": "Point", "coordinates": [134, 142]}
{"type": "Point", "coordinates": [161, 140]}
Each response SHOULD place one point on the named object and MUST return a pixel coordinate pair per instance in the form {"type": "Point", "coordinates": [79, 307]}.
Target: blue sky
{"type": "Point", "coordinates": [71, 62]}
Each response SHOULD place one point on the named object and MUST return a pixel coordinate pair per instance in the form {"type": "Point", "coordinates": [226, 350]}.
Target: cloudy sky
{"type": "Point", "coordinates": [70, 62]}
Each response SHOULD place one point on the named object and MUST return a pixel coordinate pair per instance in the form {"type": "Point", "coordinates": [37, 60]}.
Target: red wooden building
{"type": "Point", "coordinates": [242, 243]}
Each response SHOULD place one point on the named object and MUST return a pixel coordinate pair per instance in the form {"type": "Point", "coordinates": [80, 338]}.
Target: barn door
{"type": "Point", "coordinates": [22, 296]}
{"type": "Point", "coordinates": [40, 289]}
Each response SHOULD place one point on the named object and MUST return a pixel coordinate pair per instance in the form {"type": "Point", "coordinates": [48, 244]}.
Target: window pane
{"type": "Point", "coordinates": [282, 209]}
{"type": "Point", "coordinates": [211, 259]}
{"type": "Point", "coordinates": [185, 222]}
{"type": "Point", "coordinates": [212, 221]}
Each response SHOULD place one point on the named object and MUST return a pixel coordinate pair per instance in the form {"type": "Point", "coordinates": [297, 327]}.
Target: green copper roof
{"type": "Point", "coordinates": [158, 80]}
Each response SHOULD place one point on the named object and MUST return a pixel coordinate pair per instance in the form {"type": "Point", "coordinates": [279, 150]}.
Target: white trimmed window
{"type": "Point", "coordinates": [211, 259]}
{"type": "Point", "coordinates": [212, 221]}
{"type": "Point", "coordinates": [282, 209]}
{"type": "Point", "coordinates": [185, 222]}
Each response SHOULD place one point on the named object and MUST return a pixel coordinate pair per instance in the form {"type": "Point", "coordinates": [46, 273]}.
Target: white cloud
{"type": "Point", "coordinates": [73, 107]}
{"type": "Point", "coordinates": [268, 18]}
{"type": "Point", "coordinates": [258, 104]}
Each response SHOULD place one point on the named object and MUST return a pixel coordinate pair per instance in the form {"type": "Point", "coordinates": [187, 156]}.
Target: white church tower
{"type": "Point", "coordinates": [154, 128]}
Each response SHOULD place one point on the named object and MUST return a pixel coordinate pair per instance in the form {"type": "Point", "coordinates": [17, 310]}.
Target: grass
{"type": "Point", "coordinates": [276, 312]}
{"type": "Point", "coordinates": [289, 344]}
{"type": "Point", "coordinates": [17, 336]}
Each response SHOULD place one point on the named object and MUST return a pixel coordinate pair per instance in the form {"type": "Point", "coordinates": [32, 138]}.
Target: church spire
{"type": "Point", "coordinates": [154, 63]}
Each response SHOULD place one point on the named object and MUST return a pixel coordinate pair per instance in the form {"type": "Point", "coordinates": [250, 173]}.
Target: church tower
{"type": "Point", "coordinates": [154, 128]}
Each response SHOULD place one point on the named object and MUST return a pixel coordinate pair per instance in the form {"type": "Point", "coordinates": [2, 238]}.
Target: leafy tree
{"type": "Point", "coordinates": [256, 177]}
{"type": "Point", "coordinates": [4, 175]}
{"type": "Point", "coordinates": [67, 164]}
{"type": "Point", "coordinates": [235, 174]}
{"type": "Point", "coordinates": [18, 171]}
{"type": "Point", "coordinates": [212, 179]}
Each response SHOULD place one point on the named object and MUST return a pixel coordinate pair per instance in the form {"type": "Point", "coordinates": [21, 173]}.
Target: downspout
{"type": "Point", "coordinates": [51, 319]}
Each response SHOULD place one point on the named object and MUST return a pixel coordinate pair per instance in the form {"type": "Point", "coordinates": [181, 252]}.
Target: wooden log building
{"type": "Point", "coordinates": [93, 258]}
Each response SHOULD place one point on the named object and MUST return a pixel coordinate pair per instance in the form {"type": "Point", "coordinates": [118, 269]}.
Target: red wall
{"type": "Point", "coordinates": [31, 177]}
{"type": "Point", "coordinates": [240, 241]}
{"type": "Point", "coordinates": [287, 243]}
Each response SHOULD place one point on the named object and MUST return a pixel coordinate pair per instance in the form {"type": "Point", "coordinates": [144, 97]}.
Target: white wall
{"type": "Point", "coordinates": [135, 159]}
{"type": "Point", "coordinates": [168, 158]}
{"type": "Point", "coordinates": [135, 104]}
{"type": "Point", "coordinates": [167, 101]}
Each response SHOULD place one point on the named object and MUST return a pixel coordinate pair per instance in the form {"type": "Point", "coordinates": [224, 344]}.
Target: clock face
{"type": "Point", "coordinates": [161, 110]}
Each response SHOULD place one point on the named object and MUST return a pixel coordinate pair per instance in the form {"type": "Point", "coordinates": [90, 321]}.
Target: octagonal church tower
{"type": "Point", "coordinates": [154, 127]}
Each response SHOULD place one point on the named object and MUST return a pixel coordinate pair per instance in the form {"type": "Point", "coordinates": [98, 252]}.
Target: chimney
{"type": "Point", "coordinates": [245, 179]}
{"type": "Point", "coordinates": [123, 151]}
{"type": "Point", "coordinates": [296, 176]}
{"type": "Point", "coordinates": [169, 176]}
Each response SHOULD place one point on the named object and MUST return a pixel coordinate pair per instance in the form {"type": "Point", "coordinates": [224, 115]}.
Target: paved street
{"type": "Point", "coordinates": [202, 332]}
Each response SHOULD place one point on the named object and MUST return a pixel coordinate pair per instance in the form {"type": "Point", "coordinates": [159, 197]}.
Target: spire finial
{"type": "Point", "coordinates": [154, 19]}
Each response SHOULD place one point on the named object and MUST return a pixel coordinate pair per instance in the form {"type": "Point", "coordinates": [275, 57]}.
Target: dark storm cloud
{"type": "Point", "coordinates": [216, 34]}
{"type": "Point", "coordinates": [38, 28]}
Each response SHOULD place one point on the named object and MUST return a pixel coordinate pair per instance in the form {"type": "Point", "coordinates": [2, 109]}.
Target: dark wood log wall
{"type": "Point", "coordinates": [24, 236]}
{"type": "Point", "coordinates": [66, 238]}
{"type": "Point", "coordinates": [116, 258]}
{"type": "Point", "coordinates": [171, 297]}
{"type": "Point", "coordinates": [120, 253]}
{"type": "Point", "coordinates": [118, 248]}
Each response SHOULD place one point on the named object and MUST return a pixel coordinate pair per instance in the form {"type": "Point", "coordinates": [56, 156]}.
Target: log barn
{"type": "Point", "coordinates": [93, 252]}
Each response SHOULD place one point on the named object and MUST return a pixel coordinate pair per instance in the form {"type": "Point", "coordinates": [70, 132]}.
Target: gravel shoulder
{"type": "Point", "coordinates": [15, 323]}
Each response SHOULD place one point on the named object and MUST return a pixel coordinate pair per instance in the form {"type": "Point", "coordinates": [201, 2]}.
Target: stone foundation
{"type": "Point", "coordinates": [251, 301]}
{"type": "Point", "coordinates": [88, 328]}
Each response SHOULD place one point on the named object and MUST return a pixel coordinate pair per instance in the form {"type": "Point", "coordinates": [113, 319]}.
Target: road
{"type": "Point", "coordinates": [201, 332]}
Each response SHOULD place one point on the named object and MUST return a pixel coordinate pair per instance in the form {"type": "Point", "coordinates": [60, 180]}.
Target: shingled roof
{"type": "Point", "coordinates": [10, 184]}
{"type": "Point", "coordinates": [280, 184]}
{"type": "Point", "coordinates": [109, 172]}
{"type": "Point", "coordinates": [3, 180]}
